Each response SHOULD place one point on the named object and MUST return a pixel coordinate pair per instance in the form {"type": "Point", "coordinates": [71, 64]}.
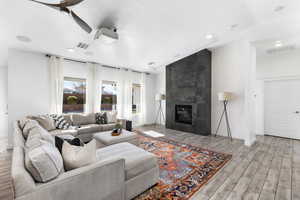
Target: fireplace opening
{"type": "Point", "coordinates": [184, 114]}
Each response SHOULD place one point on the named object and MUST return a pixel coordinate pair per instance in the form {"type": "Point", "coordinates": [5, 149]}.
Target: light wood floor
{"type": "Point", "coordinates": [268, 170]}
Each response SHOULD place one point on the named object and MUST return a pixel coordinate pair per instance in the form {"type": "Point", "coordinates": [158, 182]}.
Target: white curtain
{"type": "Point", "coordinates": [91, 88]}
{"type": "Point", "coordinates": [143, 99]}
{"type": "Point", "coordinates": [98, 89]}
{"type": "Point", "coordinates": [127, 95]}
{"type": "Point", "coordinates": [56, 85]}
{"type": "Point", "coordinates": [120, 94]}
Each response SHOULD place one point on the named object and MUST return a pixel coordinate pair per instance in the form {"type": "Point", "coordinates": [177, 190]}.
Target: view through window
{"type": "Point", "coordinates": [136, 98]}
{"type": "Point", "coordinates": [74, 95]}
{"type": "Point", "coordinates": [109, 96]}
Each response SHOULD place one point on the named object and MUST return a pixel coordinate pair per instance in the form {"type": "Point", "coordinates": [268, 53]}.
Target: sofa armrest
{"type": "Point", "coordinates": [104, 180]}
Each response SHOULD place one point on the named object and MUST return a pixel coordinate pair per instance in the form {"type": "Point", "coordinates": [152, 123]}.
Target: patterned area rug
{"type": "Point", "coordinates": [184, 169]}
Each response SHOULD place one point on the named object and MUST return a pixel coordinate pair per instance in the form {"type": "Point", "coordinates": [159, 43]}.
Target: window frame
{"type": "Point", "coordinates": [138, 108]}
{"type": "Point", "coordinates": [115, 84]}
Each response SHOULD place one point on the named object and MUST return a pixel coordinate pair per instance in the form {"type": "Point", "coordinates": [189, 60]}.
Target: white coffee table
{"type": "Point", "coordinates": [105, 138]}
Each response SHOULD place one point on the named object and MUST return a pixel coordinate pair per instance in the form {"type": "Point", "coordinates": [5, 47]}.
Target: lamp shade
{"type": "Point", "coordinates": [225, 96]}
{"type": "Point", "coordinates": [160, 97]}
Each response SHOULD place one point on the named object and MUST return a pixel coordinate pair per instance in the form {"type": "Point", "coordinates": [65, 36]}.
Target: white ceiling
{"type": "Point", "coordinates": [150, 31]}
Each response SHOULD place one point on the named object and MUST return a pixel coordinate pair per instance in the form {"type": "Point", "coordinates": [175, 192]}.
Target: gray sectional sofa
{"type": "Point", "coordinates": [122, 172]}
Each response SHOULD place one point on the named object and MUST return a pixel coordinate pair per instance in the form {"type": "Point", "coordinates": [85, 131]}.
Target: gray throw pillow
{"type": "Point", "coordinates": [27, 126]}
{"type": "Point", "coordinates": [45, 121]}
{"type": "Point", "coordinates": [44, 162]}
{"type": "Point", "coordinates": [39, 133]}
{"type": "Point", "coordinates": [83, 119]}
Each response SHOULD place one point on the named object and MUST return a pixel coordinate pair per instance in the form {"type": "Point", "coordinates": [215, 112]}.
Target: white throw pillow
{"type": "Point", "coordinates": [78, 156]}
{"type": "Point", "coordinates": [111, 117]}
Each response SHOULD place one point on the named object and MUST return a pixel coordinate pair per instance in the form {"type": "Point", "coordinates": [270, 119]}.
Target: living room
{"type": "Point", "coordinates": [133, 100]}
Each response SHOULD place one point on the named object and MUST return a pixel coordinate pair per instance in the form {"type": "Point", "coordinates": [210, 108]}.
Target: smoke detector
{"type": "Point", "coordinates": [107, 35]}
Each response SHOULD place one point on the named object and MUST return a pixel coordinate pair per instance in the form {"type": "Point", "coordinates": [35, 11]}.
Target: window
{"type": "Point", "coordinates": [136, 98]}
{"type": "Point", "coordinates": [74, 95]}
{"type": "Point", "coordinates": [109, 96]}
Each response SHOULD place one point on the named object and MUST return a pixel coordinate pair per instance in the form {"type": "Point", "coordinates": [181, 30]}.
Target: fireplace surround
{"type": "Point", "coordinates": [188, 94]}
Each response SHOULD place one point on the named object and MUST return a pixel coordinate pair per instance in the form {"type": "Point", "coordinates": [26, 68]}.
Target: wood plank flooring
{"type": "Point", "coordinates": [268, 170]}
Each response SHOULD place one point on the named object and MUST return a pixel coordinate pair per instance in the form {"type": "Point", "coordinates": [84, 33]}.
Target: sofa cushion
{"type": "Point", "coordinates": [39, 133]}
{"type": "Point", "coordinates": [68, 118]}
{"type": "Point", "coordinates": [108, 127]}
{"type": "Point", "coordinates": [44, 162]}
{"type": "Point", "coordinates": [78, 156]}
{"type": "Point", "coordinates": [83, 119]}
{"type": "Point", "coordinates": [137, 160]}
{"type": "Point", "coordinates": [90, 128]}
{"type": "Point", "coordinates": [27, 126]}
{"type": "Point", "coordinates": [45, 121]}
{"type": "Point", "coordinates": [72, 132]}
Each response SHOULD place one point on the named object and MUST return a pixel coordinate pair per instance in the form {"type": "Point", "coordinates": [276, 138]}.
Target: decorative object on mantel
{"type": "Point", "coordinates": [160, 114]}
{"type": "Point", "coordinates": [224, 97]}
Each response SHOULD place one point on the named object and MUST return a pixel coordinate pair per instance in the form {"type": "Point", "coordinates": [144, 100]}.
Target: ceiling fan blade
{"type": "Point", "coordinates": [67, 3]}
{"type": "Point", "coordinates": [81, 23]}
{"type": "Point", "coordinates": [55, 6]}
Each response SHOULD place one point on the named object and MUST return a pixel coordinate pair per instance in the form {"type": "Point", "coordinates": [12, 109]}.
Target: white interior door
{"type": "Point", "coordinates": [282, 108]}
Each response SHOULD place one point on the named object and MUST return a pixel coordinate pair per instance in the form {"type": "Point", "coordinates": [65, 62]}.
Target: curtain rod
{"type": "Point", "coordinates": [79, 61]}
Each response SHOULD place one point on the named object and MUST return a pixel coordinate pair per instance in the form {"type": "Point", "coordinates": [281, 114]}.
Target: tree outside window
{"type": "Point", "coordinates": [109, 96]}
{"type": "Point", "coordinates": [74, 98]}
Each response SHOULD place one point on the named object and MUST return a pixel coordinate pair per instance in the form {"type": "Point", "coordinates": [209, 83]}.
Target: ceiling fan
{"type": "Point", "coordinates": [63, 7]}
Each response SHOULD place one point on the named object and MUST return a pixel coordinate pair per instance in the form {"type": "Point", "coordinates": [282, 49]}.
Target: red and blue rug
{"type": "Point", "coordinates": [184, 169]}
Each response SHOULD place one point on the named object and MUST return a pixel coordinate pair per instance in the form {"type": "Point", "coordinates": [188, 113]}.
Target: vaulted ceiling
{"type": "Point", "coordinates": [150, 31]}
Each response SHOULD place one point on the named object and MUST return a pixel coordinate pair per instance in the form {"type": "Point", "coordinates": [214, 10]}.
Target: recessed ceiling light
{"type": "Point", "coordinates": [88, 53]}
{"type": "Point", "coordinates": [233, 26]}
{"type": "Point", "coordinates": [71, 49]}
{"type": "Point", "coordinates": [279, 8]}
{"type": "Point", "coordinates": [278, 43]}
{"type": "Point", "coordinates": [209, 36]}
{"type": "Point", "coordinates": [23, 38]}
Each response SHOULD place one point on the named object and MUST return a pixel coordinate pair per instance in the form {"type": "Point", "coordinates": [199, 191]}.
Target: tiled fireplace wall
{"type": "Point", "coordinates": [188, 82]}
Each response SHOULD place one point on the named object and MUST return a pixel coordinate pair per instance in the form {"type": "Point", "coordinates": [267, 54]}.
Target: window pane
{"type": "Point", "coordinates": [74, 95]}
{"type": "Point", "coordinates": [109, 96]}
{"type": "Point", "coordinates": [136, 98]}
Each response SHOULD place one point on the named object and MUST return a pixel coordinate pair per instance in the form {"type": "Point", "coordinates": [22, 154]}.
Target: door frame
{"type": "Point", "coordinates": [261, 109]}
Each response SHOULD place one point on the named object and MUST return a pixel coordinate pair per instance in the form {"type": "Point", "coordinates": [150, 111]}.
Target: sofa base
{"type": "Point", "coordinates": [141, 183]}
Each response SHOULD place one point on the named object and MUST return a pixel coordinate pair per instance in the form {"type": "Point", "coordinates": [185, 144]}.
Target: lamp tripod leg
{"type": "Point", "coordinates": [227, 121]}
{"type": "Point", "coordinates": [220, 120]}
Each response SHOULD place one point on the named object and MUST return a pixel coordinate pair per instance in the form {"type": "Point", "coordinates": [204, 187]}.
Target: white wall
{"type": "Point", "coordinates": [232, 71]}
{"type": "Point", "coordinates": [28, 86]}
{"type": "Point", "coordinates": [3, 103]}
{"type": "Point", "coordinates": [278, 65]}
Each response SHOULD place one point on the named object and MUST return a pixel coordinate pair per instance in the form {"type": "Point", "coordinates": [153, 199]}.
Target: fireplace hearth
{"type": "Point", "coordinates": [184, 114]}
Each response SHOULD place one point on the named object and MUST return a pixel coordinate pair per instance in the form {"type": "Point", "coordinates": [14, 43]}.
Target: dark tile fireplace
{"type": "Point", "coordinates": [184, 114]}
{"type": "Point", "coordinates": [188, 94]}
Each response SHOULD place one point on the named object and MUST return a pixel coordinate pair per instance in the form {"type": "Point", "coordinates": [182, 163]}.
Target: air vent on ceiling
{"type": "Point", "coordinates": [82, 45]}
{"type": "Point", "coordinates": [282, 49]}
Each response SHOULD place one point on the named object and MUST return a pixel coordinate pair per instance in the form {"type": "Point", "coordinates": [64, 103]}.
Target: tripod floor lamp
{"type": "Point", "coordinates": [160, 117]}
{"type": "Point", "coordinates": [224, 97]}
